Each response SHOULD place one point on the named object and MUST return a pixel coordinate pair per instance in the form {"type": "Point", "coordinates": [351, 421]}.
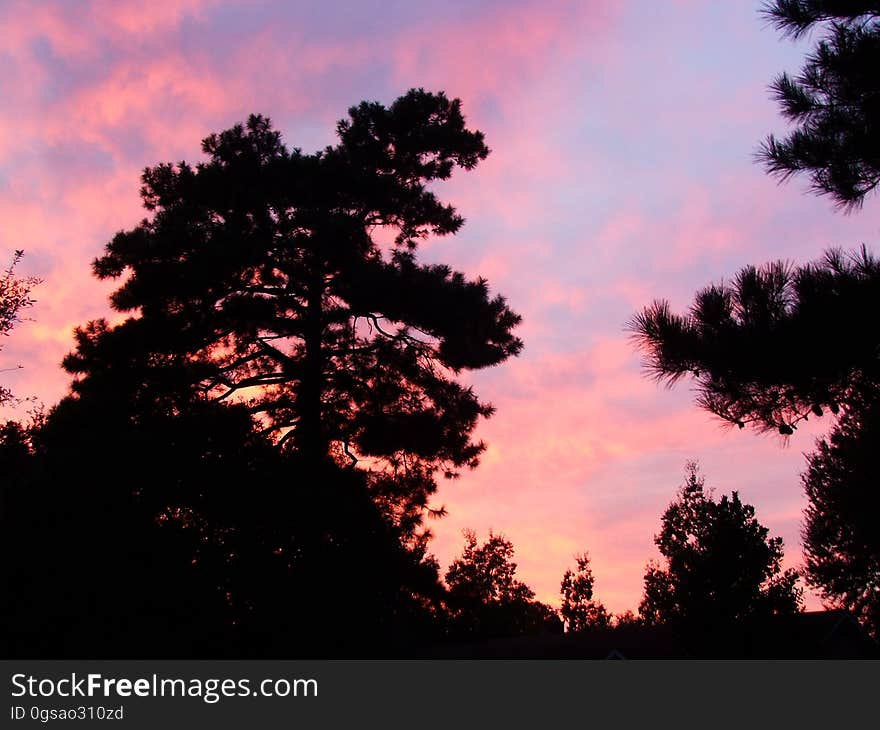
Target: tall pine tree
{"type": "Point", "coordinates": [261, 277]}
{"type": "Point", "coordinates": [259, 439]}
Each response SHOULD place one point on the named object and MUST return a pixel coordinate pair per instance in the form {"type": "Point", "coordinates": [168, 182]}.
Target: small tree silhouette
{"type": "Point", "coordinates": [484, 597]}
{"type": "Point", "coordinates": [720, 565]}
{"type": "Point", "coordinates": [14, 297]}
{"type": "Point", "coordinates": [579, 610]}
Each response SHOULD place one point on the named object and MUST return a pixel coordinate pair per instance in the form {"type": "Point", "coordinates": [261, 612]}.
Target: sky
{"type": "Point", "coordinates": [622, 135]}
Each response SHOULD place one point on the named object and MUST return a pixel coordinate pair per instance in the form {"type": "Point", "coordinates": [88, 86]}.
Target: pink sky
{"type": "Point", "coordinates": [621, 171]}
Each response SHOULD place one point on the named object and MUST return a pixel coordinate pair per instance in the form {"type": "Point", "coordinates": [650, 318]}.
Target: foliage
{"type": "Point", "coordinates": [258, 440]}
{"type": "Point", "coordinates": [262, 277]}
{"type": "Point", "coordinates": [781, 343]}
{"type": "Point", "coordinates": [484, 597]}
{"type": "Point", "coordinates": [14, 297]}
{"type": "Point", "coordinates": [834, 102]}
{"type": "Point", "coordinates": [720, 565]}
{"type": "Point", "coordinates": [841, 540]}
{"type": "Point", "coordinates": [116, 526]}
{"type": "Point", "coordinates": [627, 618]}
{"type": "Point", "coordinates": [774, 346]}
{"type": "Point", "coordinates": [579, 610]}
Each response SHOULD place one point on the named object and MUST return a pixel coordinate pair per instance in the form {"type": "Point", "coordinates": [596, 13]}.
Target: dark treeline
{"type": "Point", "coordinates": [244, 464]}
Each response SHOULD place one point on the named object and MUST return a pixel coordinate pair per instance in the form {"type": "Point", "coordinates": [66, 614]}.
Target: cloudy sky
{"type": "Point", "coordinates": [622, 137]}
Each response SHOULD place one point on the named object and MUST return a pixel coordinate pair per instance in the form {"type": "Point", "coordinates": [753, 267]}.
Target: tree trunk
{"type": "Point", "coordinates": [310, 439]}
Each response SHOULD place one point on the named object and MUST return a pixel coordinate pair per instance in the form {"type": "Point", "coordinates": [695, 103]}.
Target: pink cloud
{"type": "Point", "coordinates": [121, 22]}
{"type": "Point", "coordinates": [128, 18]}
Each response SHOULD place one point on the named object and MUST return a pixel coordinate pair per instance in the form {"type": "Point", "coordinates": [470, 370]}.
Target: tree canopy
{"type": "Point", "coordinates": [192, 535]}
{"type": "Point", "coordinates": [264, 276]}
{"type": "Point", "coordinates": [485, 598]}
{"type": "Point", "coordinates": [841, 539]}
{"type": "Point", "coordinates": [579, 609]}
{"type": "Point", "coordinates": [834, 103]}
{"type": "Point", "coordinates": [775, 345]}
{"type": "Point", "coordinates": [720, 565]}
{"type": "Point", "coordinates": [781, 343]}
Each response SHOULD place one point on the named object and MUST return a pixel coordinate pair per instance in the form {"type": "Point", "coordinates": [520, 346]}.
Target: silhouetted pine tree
{"type": "Point", "coordinates": [261, 275]}
{"type": "Point", "coordinates": [256, 445]}
{"type": "Point", "coordinates": [776, 344]}
{"type": "Point", "coordinates": [781, 343]}
{"type": "Point", "coordinates": [834, 103]}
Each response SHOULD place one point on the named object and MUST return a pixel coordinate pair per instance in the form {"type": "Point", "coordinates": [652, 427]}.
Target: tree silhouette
{"type": "Point", "coordinates": [579, 610]}
{"type": "Point", "coordinates": [262, 276]}
{"type": "Point", "coordinates": [118, 523]}
{"type": "Point", "coordinates": [834, 102]}
{"type": "Point", "coordinates": [774, 346]}
{"type": "Point", "coordinates": [781, 343]}
{"type": "Point", "coordinates": [627, 618]}
{"type": "Point", "coordinates": [14, 296]}
{"type": "Point", "coordinates": [841, 540]}
{"type": "Point", "coordinates": [484, 597]}
{"type": "Point", "coordinates": [85, 572]}
{"type": "Point", "coordinates": [259, 439]}
{"type": "Point", "coordinates": [720, 564]}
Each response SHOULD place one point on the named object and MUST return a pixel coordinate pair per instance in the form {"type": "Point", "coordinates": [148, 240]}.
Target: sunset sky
{"type": "Point", "coordinates": [622, 137]}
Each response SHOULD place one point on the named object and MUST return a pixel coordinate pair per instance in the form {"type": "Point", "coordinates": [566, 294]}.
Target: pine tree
{"type": "Point", "coordinates": [776, 345]}
{"type": "Point", "coordinates": [262, 276]}
{"type": "Point", "coordinates": [834, 103]}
